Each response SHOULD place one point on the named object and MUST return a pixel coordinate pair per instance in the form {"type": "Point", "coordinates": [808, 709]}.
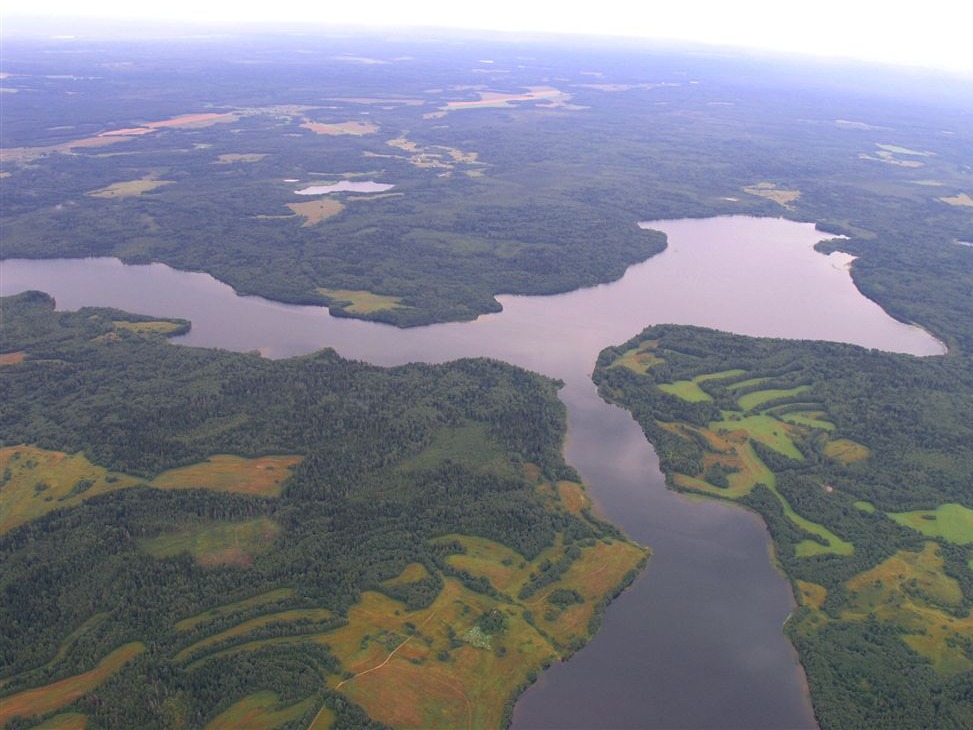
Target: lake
{"type": "Point", "coordinates": [345, 186]}
{"type": "Point", "coordinates": [696, 641]}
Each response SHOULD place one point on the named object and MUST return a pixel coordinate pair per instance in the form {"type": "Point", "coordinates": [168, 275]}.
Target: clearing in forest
{"type": "Point", "coordinates": [770, 191]}
{"type": "Point", "coordinates": [37, 481]}
{"type": "Point", "coordinates": [360, 301]}
{"type": "Point", "coordinates": [952, 522]}
{"type": "Point", "coordinates": [130, 188]}
{"type": "Point", "coordinates": [214, 544]}
{"type": "Point", "coordinates": [315, 211]}
{"type": "Point", "coordinates": [42, 700]}
{"type": "Point", "coordinates": [356, 129]}
{"type": "Point", "coordinates": [260, 711]}
{"type": "Point", "coordinates": [262, 476]}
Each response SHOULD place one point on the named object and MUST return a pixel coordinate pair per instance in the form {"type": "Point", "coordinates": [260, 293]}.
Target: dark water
{"type": "Point", "coordinates": [696, 642]}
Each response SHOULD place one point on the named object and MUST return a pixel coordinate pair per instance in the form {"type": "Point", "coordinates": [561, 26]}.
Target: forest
{"type": "Point", "coordinates": [859, 461]}
{"type": "Point", "coordinates": [393, 468]}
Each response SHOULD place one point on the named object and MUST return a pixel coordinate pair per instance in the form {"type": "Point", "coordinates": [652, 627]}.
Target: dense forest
{"type": "Point", "coordinates": [860, 463]}
{"type": "Point", "coordinates": [532, 195]}
{"type": "Point", "coordinates": [388, 464]}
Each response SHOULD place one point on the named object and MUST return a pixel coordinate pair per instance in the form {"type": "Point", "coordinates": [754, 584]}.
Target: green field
{"type": "Point", "coordinates": [214, 544]}
{"type": "Point", "coordinates": [951, 522]}
{"type": "Point", "coordinates": [757, 398]}
{"type": "Point", "coordinates": [688, 390]}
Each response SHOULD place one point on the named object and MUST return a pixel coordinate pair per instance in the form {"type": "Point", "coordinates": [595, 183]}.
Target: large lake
{"type": "Point", "coordinates": [696, 642]}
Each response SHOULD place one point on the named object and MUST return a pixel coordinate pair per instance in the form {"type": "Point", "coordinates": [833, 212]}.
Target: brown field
{"type": "Point", "coordinates": [12, 358]}
{"type": "Point", "coordinates": [963, 199]}
{"type": "Point", "coordinates": [315, 211]}
{"type": "Point", "coordinates": [811, 594]}
{"type": "Point", "coordinates": [220, 611]}
{"type": "Point", "coordinates": [356, 129]}
{"type": "Point", "coordinates": [283, 617]}
{"type": "Point", "coordinates": [573, 497]}
{"type": "Point", "coordinates": [231, 157]}
{"type": "Point", "coordinates": [64, 721]}
{"type": "Point", "coordinates": [260, 711]}
{"type": "Point", "coordinates": [911, 591]}
{"type": "Point", "coordinates": [494, 99]}
{"type": "Point", "coordinates": [195, 121]}
{"type": "Point", "coordinates": [42, 481]}
{"type": "Point", "coordinates": [129, 188]}
{"type": "Point", "coordinates": [262, 476]}
{"type": "Point", "coordinates": [361, 302]}
{"type": "Point", "coordinates": [770, 191]}
{"type": "Point", "coordinates": [49, 698]}
{"type": "Point", "coordinates": [398, 679]}
{"type": "Point", "coordinates": [433, 156]}
{"type": "Point", "coordinates": [846, 451]}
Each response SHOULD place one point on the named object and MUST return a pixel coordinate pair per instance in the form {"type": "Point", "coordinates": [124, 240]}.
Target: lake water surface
{"type": "Point", "coordinates": [346, 186]}
{"type": "Point", "coordinates": [696, 642]}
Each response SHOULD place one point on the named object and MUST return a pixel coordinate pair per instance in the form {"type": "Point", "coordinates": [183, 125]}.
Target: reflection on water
{"type": "Point", "coordinates": [696, 642]}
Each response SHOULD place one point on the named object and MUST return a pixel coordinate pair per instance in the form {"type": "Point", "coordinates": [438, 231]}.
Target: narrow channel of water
{"type": "Point", "coordinates": [697, 641]}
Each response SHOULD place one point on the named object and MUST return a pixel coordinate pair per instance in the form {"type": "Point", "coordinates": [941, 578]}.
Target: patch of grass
{"type": "Point", "coordinates": [315, 615]}
{"type": "Point", "coordinates": [770, 191]}
{"type": "Point", "coordinates": [260, 711]}
{"type": "Point", "coordinates": [766, 429]}
{"type": "Point", "coordinates": [262, 476]}
{"type": "Point", "coordinates": [129, 188]}
{"type": "Point", "coordinates": [962, 199]}
{"type": "Point", "coordinates": [951, 522]}
{"type": "Point", "coordinates": [639, 359]}
{"type": "Point", "coordinates": [469, 445]}
{"type": "Point", "coordinates": [159, 327]}
{"type": "Point", "coordinates": [846, 451]}
{"type": "Point", "coordinates": [912, 591]}
{"type": "Point", "coordinates": [356, 129]}
{"type": "Point", "coordinates": [755, 399]}
{"type": "Point", "coordinates": [216, 543]}
{"type": "Point", "coordinates": [358, 301]}
{"type": "Point", "coordinates": [410, 574]}
{"type": "Point", "coordinates": [811, 419]}
{"type": "Point", "coordinates": [747, 383]}
{"type": "Point", "coordinates": [231, 157]}
{"type": "Point", "coordinates": [41, 481]}
{"type": "Point", "coordinates": [315, 211]}
{"type": "Point", "coordinates": [720, 375]}
{"type": "Point", "coordinates": [281, 594]}
{"type": "Point", "coordinates": [43, 700]}
{"type": "Point", "coordinates": [865, 506]}
{"type": "Point", "coordinates": [573, 497]}
{"type": "Point", "coordinates": [811, 594]}
{"type": "Point", "coordinates": [687, 390]}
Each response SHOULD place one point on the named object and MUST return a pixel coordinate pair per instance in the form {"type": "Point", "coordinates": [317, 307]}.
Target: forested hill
{"type": "Point", "coordinates": [861, 464]}
{"type": "Point", "coordinates": [191, 536]}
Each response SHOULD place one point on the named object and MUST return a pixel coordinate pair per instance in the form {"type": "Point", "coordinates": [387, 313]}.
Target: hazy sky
{"type": "Point", "coordinates": [928, 33]}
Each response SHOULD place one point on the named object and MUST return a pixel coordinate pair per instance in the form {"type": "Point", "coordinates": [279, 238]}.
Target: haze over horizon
{"type": "Point", "coordinates": [864, 32]}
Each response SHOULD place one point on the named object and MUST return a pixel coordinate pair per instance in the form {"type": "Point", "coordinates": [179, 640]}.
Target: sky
{"type": "Point", "coordinates": [921, 34]}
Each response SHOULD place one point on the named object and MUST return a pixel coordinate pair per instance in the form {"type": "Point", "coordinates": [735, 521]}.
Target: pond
{"type": "Point", "coordinates": [697, 640]}
{"type": "Point", "coordinates": [346, 186]}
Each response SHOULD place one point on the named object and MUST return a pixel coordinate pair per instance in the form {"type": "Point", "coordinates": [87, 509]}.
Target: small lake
{"type": "Point", "coordinates": [346, 186]}
{"type": "Point", "coordinates": [696, 641]}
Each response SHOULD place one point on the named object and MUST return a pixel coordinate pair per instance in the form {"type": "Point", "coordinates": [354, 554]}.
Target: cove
{"type": "Point", "coordinates": [696, 641]}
